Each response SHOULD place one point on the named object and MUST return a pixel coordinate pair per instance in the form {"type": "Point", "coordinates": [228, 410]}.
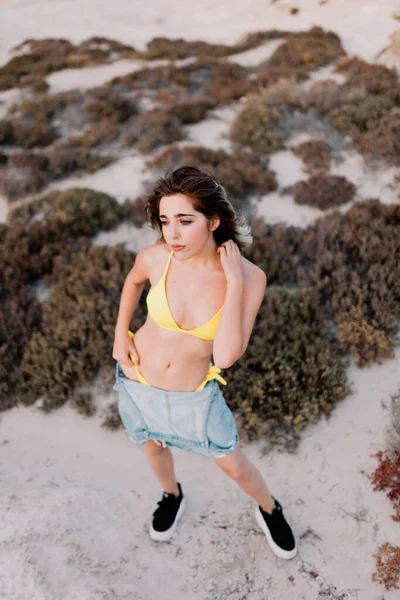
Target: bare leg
{"type": "Point", "coordinates": [248, 477]}
{"type": "Point", "coordinates": [162, 464]}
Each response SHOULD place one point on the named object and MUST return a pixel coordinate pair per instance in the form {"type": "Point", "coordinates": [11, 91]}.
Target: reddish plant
{"type": "Point", "coordinates": [386, 477]}
{"type": "Point", "coordinates": [387, 566]}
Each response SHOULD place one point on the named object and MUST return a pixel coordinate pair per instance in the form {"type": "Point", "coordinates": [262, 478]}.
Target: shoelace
{"type": "Point", "coordinates": [165, 501]}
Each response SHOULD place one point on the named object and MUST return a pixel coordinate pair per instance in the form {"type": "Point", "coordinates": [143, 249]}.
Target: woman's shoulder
{"type": "Point", "coordinates": [154, 256]}
{"type": "Point", "coordinates": [253, 275]}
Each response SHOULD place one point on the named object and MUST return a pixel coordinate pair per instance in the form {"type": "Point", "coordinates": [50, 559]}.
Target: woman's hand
{"type": "Point", "coordinates": [124, 350]}
{"type": "Point", "coordinates": [231, 261]}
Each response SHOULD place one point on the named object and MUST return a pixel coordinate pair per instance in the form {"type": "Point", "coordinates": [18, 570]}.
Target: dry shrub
{"type": "Point", "coordinates": [104, 103]}
{"type": "Point", "coordinates": [94, 135]}
{"type": "Point", "coordinates": [192, 111]}
{"type": "Point", "coordinates": [374, 78]}
{"type": "Point", "coordinates": [269, 75]}
{"type": "Point", "coordinates": [285, 94]}
{"type": "Point", "coordinates": [48, 229]}
{"type": "Point", "coordinates": [174, 95]}
{"type": "Point", "coordinates": [207, 80]}
{"type": "Point", "coordinates": [174, 49]}
{"type": "Point", "coordinates": [361, 117]}
{"type": "Point", "coordinates": [394, 430]}
{"type": "Point", "coordinates": [17, 183]}
{"type": "Point", "coordinates": [387, 566]}
{"type": "Point", "coordinates": [65, 159]}
{"type": "Point", "coordinates": [324, 191]}
{"type": "Point", "coordinates": [308, 50]}
{"type": "Point", "coordinates": [241, 174]}
{"type": "Point", "coordinates": [315, 154]}
{"type": "Point", "coordinates": [351, 260]}
{"type": "Point", "coordinates": [39, 58]}
{"type": "Point", "coordinates": [112, 420]}
{"type": "Point", "coordinates": [255, 125]}
{"type": "Point", "coordinates": [274, 250]}
{"type": "Point", "coordinates": [32, 120]}
{"type": "Point", "coordinates": [154, 128]}
{"type": "Point", "coordinates": [229, 81]}
{"type": "Point", "coordinates": [327, 95]}
{"type": "Point", "coordinates": [31, 172]}
{"type": "Point", "coordinates": [292, 371]}
{"type": "Point", "coordinates": [80, 211]}
{"type": "Point", "coordinates": [20, 314]}
{"type": "Point", "coordinates": [386, 477]}
{"type": "Point", "coordinates": [40, 241]}
{"type": "Point", "coordinates": [6, 133]}
{"type": "Point", "coordinates": [33, 135]}
{"type": "Point", "coordinates": [383, 141]}
{"type": "Point", "coordinates": [152, 78]}
{"type": "Point", "coordinates": [137, 211]}
{"type": "Point", "coordinates": [362, 340]}
{"type": "Point", "coordinates": [57, 359]}
{"type": "Point", "coordinates": [82, 402]}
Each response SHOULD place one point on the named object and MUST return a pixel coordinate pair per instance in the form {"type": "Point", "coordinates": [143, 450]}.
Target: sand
{"type": "Point", "coordinates": [76, 499]}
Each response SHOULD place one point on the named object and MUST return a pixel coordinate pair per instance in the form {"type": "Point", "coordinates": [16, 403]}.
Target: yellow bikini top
{"type": "Point", "coordinates": [157, 304]}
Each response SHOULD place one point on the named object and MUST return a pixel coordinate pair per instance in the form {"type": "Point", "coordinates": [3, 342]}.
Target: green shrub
{"type": "Point", "coordinates": [366, 115]}
{"type": "Point", "coordinates": [65, 159]}
{"type": "Point", "coordinates": [61, 357]}
{"type": "Point", "coordinates": [154, 128]}
{"type": "Point", "coordinates": [254, 127]}
{"type": "Point", "coordinates": [324, 191]}
{"type": "Point", "coordinates": [49, 228]}
{"type": "Point", "coordinates": [291, 372]}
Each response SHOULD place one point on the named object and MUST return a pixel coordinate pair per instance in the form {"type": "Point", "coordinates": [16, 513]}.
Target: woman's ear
{"type": "Point", "coordinates": [215, 223]}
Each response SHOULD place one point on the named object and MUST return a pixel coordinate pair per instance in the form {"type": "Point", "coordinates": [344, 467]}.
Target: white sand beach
{"type": "Point", "coordinates": [76, 499]}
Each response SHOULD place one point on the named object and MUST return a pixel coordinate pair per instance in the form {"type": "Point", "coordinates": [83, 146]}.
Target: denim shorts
{"type": "Point", "coordinates": [199, 422]}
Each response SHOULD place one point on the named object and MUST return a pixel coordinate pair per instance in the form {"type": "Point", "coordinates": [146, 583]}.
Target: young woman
{"type": "Point", "coordinates": [203, 302]}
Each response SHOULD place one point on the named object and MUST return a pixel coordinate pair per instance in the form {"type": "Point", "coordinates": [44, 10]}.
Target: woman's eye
{"type": "Point", "coordinates": [182, 222]}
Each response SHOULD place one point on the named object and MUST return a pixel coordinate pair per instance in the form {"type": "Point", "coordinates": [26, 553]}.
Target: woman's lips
{"type": "Point", "coordinates": [177, 247]}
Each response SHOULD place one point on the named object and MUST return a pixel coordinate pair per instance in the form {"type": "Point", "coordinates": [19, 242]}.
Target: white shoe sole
{"type": "Point", "coordinates": [279, 552]}
{"type": "Point", "coordinates": [164, 536]}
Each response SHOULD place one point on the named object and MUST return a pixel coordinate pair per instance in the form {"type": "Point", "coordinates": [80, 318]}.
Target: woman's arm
{"type": "Point", "coordinates": [132, 291]}
{"type": "Point", "coordinates": [124, 348]}
{"type": "Point", "coordinates": [242, 302]}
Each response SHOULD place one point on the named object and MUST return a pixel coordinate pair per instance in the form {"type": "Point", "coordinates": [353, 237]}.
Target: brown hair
{"type": "Point", "coordinates": [208, 198]}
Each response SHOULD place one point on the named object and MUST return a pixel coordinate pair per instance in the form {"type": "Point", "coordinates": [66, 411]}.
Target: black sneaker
{"type": "Point", "coordinates": [279, 535]}
{"type": "Point", "coordinates": [166, 516]}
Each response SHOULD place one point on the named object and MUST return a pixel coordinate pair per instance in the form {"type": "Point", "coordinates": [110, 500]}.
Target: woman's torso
{"type": "Point", "coordinates": [173, 360]}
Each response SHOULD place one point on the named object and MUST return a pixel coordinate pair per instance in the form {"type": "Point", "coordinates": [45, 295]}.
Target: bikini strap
{"type": "Point", "coordinates": [167, 265]}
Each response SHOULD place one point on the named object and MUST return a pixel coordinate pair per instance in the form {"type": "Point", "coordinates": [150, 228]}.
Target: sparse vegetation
{"type": "Point", "coordinates": [38, 58]}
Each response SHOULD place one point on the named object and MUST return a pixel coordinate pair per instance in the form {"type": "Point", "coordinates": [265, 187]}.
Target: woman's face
{"type": "Point", "coordinates": [185, 230]}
